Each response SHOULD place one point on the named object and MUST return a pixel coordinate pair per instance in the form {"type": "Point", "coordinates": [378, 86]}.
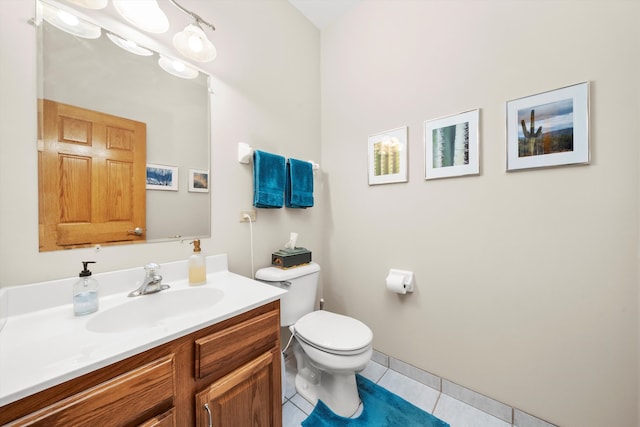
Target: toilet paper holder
{"type": "Point", "coordinates": [407, 278]}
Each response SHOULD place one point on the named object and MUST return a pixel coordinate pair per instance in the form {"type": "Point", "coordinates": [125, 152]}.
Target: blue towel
{"type": "Point", "coordinates": [268, 180]}
{"type": "Point", "coordinates": [299, 188]}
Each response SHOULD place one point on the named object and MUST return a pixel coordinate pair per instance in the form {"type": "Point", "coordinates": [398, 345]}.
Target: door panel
{"type": "Point", "coordinates": [75, 188]}
{"type": "Point", "coordinates": [119, 202]}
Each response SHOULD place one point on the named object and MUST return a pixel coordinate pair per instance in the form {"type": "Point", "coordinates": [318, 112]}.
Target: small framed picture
{"type": "Point", "coordinates": [198, 181]}
{"type": "Point", "coordinates": [162, 177]}
{"type": "Point", "coordinates": [451, 146]}
{"type": "Point", "coordinates": [549, 129]}
{"type": "Point", "coordinates": [388, 157]}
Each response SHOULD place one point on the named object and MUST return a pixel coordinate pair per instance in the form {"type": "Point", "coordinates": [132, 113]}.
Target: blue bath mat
{"type": "Point", "coordinates": [381, 408]}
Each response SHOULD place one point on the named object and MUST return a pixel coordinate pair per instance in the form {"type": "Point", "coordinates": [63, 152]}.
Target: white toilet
{"type": "Point", "coordinates": [329, 348]}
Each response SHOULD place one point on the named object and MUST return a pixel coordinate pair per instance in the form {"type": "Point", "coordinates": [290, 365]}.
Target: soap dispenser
{"type": "Point", "coordinates": [85, 292]}
{"type": "Point", "coordinates": [197, 265]}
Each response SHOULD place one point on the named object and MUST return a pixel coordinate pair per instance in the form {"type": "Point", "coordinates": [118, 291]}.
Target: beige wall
{"type": "Point", "coordinates": [526, 282]}
{"type": "Point", "coordinates": [266, 83]}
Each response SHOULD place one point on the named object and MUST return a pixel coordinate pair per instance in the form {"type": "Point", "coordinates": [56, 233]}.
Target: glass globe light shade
{"type": "Point", "coordinates": [194, 44]}
{"type": "Point", "coordinates": [177, 68]}
{"type": "Point", "coordinates": [69, 23]}
{"type": "Point", "coordinates": [144, 14]}
{"type": "Point", "coordinates": [129, 45]}
{"type": "Point", "coordinates": [90, 4]}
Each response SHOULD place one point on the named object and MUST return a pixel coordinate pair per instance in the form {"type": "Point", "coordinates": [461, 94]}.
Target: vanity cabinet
{"type": "Point", "coordinates": [229, 372]}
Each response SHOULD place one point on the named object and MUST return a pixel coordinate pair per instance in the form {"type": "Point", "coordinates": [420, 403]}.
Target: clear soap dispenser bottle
{"type": "Point", "coordinates": [85, 292]}
{"type": "Point", "coordinates": [197, 265]}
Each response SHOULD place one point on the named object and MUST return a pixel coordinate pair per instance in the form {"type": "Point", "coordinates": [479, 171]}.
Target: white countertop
{"type": "Point", "coordinates": [48, 346]}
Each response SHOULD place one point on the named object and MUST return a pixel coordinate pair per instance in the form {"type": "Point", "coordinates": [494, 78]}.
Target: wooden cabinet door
{"type": "Point", "coordinates": [92, 177]}
{"type": "Point", "coordinates": [244, 398]}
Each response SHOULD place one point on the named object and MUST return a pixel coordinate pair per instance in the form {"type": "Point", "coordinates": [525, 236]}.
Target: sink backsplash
{"type": "Point", "coordinates": [17, 300]}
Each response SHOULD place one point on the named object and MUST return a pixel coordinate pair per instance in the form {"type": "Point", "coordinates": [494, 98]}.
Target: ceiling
{"type": "Point", "coordinates": [323, 12]}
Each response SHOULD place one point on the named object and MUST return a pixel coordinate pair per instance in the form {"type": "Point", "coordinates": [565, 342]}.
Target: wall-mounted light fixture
{"type": "Point", "coordinates": [146, 15]}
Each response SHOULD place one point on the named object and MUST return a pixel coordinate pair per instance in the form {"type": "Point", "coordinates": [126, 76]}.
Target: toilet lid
{"type": "Point", "coordinates": [333, 331]}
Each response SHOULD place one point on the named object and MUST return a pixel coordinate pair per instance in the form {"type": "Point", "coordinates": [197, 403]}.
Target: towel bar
{"type": "Point", "coordinates": [245, 154]}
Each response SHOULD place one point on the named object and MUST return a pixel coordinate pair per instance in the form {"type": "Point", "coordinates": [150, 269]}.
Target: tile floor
{"type": "Point", "coordinates": [295, 408]}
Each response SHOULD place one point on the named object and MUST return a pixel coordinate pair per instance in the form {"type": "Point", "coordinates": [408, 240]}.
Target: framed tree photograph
{"type": "Point", "coordinates": [162, 177]}
{"type": "Point", "coordinates": [451, 145]}
{"type": "Point", "coordinates": [549, 129]}
{"type": "Point", "coordinates": [198, 181]}
{"type": "Point", "coordinates": [388, 156]}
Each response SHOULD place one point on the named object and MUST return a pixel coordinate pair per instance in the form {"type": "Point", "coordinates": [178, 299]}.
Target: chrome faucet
{"type": "Point", "coordinates": [152, 282]}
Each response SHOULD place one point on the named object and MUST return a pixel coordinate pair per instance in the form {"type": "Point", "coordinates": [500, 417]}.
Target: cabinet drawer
{"type": "Point", "coordinates": [168, 419]}
{"type": "Point", "coordinates": [224, 351]}
{"type": "Point", "coordinates": [139, 393]}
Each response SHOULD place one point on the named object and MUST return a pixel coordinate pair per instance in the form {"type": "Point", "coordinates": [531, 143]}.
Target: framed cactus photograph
{"type": "Point", "coordinates": [549, 129]}
{"type": "Point", "coordinates": [451, 146]}
{"type": "Point", "coordinates": [388, 157]}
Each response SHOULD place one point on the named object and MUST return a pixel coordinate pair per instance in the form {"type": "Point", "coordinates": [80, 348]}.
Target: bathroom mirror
{"type": "Point", "coordinates": [95, 75]}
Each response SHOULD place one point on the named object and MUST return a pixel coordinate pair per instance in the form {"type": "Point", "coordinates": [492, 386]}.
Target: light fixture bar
{"type": "Point", "coordinates": [195, 16]}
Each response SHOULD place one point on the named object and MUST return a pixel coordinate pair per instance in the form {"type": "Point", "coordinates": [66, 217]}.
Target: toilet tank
{"type": "Point", "coordinates": [301, 284]}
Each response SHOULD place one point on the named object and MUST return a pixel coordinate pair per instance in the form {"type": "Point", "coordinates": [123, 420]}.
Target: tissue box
{"type": "Point", "coordinates": [286, 258]}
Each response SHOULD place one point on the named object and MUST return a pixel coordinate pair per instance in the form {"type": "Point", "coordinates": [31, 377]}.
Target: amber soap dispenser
{"type": "Point", "coordinates": [197, 265]}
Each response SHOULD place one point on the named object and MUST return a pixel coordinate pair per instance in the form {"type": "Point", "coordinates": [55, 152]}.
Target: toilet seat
{"type": "Point", "coordinates": [333, 333]}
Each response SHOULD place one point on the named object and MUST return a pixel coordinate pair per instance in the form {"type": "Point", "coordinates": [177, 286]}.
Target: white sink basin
{"type": "Point", "coordinates": [154, 310]}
